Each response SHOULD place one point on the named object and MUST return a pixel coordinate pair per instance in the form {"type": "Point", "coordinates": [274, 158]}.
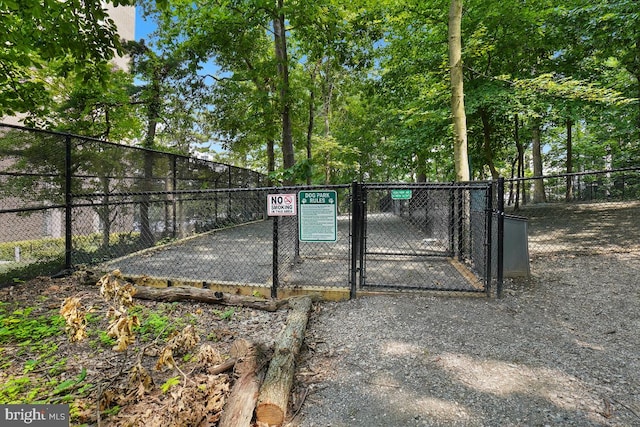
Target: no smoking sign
{"type": "Point", "coordinates": [281, 204]}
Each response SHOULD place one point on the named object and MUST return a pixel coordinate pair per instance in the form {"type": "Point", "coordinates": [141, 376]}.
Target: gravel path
{"type": "Point", "coordinates": [561, 349]}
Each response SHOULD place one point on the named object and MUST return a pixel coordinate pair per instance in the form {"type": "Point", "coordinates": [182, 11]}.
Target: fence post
{"type": "Point", "coordinates": [355, 237]}
{"type": "Point", "coordinates": [489, 239]}
{"type": "Point", "coordinates": [174, 189]}
{"type": "Point", "coordinates": [460, 224]}
{"type": "Point", "coordinates": [68, 204]}
{"type": "Point", "coordinates": [500, 272]}
{"type": "Point", "coordinates": [452, 222]}
{"type": "Point", "coordinates": [275, 280]}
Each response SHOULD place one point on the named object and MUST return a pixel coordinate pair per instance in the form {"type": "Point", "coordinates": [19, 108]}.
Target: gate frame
{"type": "Point", "coordinates": [494, 207]}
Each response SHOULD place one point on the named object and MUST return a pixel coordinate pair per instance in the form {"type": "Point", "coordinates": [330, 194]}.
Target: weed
{"type": "Point", "coordinates": [225, 315]}
{"type": "Point", "coordinates": [153, 324]}
{"type": "Point", "coordinates": [58, 367]}
{"type": "Point", "coordinates": [13, 388]}
{"type": "Point", "coordinates": [169, 383]}
{"type": "Point", "coordinates": [114, 410]}
{"type": "Point", "coordinates": [106, 340]}
{"type": "Point", "coordinates": [20, 327]}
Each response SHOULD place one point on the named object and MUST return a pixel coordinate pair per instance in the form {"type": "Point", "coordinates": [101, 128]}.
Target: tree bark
{"type": "Point", "coordinates": [486, 133]}
{"type": "Point", "coordinates": [538, 184]}
{"type": "Point", "coordinates": [188, 293]}
{"type": "Point", "coordinates": [461, 160]}
{"type": "Point", "coordinates": [271, 160]}
{"type": "Point", "coordinates": [312, 115]}
{"type": "Point", "coordinates": [239, 408]}
{"type": "Point", "coordinates": [520, 171]}
{"type": "Point", "coordinates": [282, 59]}
{"type": "Point", "coordinates": [276, 388]}
{"type": "Point", "coordinates": [569, 192]}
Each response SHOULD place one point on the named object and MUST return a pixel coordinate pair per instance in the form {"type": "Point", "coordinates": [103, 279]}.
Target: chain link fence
{"type": "Point", "coordinates": [579, 214]}
{"type": "Point", "coordinates": [67, 200]}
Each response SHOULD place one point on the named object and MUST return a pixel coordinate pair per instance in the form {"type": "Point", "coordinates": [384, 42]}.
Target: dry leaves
{"type": "Point", "coordinates": [116, 291]}
{"type": "Point", "coordinates": [178, 345]}
{"type": "Point", "coordinates": [121, 328]}
{"type": "Point", "coordinates": [75, 316]}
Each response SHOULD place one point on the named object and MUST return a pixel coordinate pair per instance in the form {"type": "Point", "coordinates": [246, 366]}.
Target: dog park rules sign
{"type": "Point", "coordinates": [281, 204]}
{"type": "Point", "coordinates": [318, 219]}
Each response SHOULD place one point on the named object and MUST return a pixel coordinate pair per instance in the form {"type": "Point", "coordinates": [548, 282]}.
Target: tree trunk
{"type": "Point", "coordinates": [514, 165]}
{"type": "Point", "coordinates": [271, 160]}
{"type": "Point", "coordinates": [569, 192]}
{"type": "Point", "coordinates": [461, 160]}
{"type": "Point", "coordinates": [239, 408]}
{"type": "Point", "coordinates": [282, 59]}
{"type": "Point", "coordinates": [276, 388]}
{"type": "Point", "coordinates": [538, 184]}
{"type": "Point", "coordinates": [153, 114]}
{"type": "Point", "coordinates": [146, 235]}
{"type": "Point", "coordinates": [312, 115]}
{"type": "Point", "coordinates": [188, 293]}
{"type": "Point", "coordinates": [103, 212]}
{"type": "Point", "coordinates": [488, 153]}
{"type": "Point", "coordinates": [520, 171]}
{"type": "Point", "coordinates": [421, 168]}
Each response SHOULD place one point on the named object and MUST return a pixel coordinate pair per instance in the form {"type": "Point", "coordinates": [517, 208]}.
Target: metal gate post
{"type": "Point", "coordinates": [500, 272]}
{"type": "Point", "coordinates": [460, 224]}
{"type": "Point", "coordinates": [452, 222]}
{"type": "Point", "coordinates": [275, 280]}
{"type": "Point", "coordinates": [488, 214]}
{"type": "Point", "coordinates": [363, 233]}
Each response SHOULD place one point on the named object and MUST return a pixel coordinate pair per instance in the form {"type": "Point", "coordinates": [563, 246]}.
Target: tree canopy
{"type": "Point", "coordinates": [327, 91]}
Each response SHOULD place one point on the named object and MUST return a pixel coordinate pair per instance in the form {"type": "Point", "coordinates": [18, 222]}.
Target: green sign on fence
{"type": "Point", "coordinates": [404, 194]}
{"type": "Point", "coordinates": [318, 216]}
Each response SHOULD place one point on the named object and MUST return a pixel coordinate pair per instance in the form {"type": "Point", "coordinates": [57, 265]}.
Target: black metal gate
{"type": "Point", "coordinates": [423, 236]}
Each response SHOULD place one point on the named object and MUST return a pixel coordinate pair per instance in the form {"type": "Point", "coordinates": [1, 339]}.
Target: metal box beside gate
{"type": "Point", "coordinates": [516, 246]}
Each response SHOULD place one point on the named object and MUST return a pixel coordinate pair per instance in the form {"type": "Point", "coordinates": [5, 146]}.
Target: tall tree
{"type": "Point", "coordinates": [457, 92]}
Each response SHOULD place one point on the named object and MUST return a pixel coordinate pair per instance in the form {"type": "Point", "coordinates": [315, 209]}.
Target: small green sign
{"type": "Point", "coordinates": [404, 194]}
{"type": "Point", "coordinates": [318, 216]}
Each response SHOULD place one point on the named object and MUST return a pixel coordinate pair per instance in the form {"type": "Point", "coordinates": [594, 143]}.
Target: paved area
{"type": "Point", "coordinates": [244, 255]}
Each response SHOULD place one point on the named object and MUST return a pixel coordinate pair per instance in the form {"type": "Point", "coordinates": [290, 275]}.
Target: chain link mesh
{"type": "Point", "coordinates": [32, 220]}
{"type": "Point", "coordinates": [426, 236]}
{"type": "Point", "coordinates": [579, 214]}
{"type": "Point", "coordinates": [68, 200]}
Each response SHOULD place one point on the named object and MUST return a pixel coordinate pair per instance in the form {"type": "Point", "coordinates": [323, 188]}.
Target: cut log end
{"type": "Point", "coordinates": [270, 414]}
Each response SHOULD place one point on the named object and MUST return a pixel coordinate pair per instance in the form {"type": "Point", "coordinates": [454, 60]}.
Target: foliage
{"type": "Point", "coordinates": [20, 326]}
{"type": "Point", "coordinates": [364, 86]}
{"type": "Point", "coordinates": [70, 35]}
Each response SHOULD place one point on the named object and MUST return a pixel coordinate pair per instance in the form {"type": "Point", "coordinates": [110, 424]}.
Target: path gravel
{"type": "Point", "coordinates": [561, 349]}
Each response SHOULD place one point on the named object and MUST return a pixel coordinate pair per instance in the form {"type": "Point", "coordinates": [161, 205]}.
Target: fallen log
{"type": "Point", "coordinates": [188, 293]}
{"type": "Point", "coordinates": [276, 388]}
{"type": "Point", "coordinates": [239, 408]}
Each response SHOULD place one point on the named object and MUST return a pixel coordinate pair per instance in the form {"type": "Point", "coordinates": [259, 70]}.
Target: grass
{"type": "Point", "coordinates": [46, 256]}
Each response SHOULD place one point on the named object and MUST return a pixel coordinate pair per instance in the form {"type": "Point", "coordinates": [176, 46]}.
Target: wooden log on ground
{"type": "Point", "coordinates": [276, 388]}
{"type": "Point", "coordinates": [206, 295]}
{"type": "Point", "coordinates": [239, 408]}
